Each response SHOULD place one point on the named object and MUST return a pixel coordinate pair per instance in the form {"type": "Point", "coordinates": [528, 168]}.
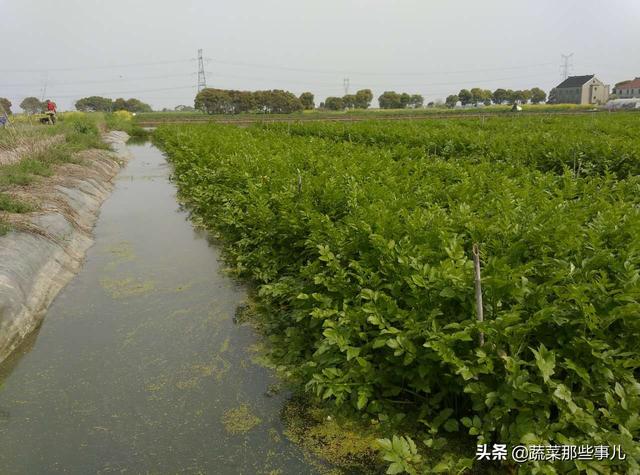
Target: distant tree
{"type": "Point", "coordinates": [276, 101]}
{"type": "Point", "coordinates": [405, 100]}
{"type": "Point", "coordinates": [465, 97]}
{"type": "Point", "coordinates": [538, 95]}
{"type": "Point", "coordinates": [416, 101]}
{"type": "Point", "coordinates": [120, 104]}
{"type": "Point", "coordinates": [183, 108]}
{"type": "Point", "coordinates": [521, 96]}
{"type": "Point", "coordinates": [94, 104]}
{"type": "Point", "coordinates": [213, 101]}
{"type": "Point", "coordinates": [243, 101]}
{"type": "Point", "coordinates": [431, 104]}
{"type": "Point", "coordinates": [5, 106]}
{"type": "Point", "coordinates": [222, 101]}
{"type": "Point", "coordinates": [553, 96]}
{"type": "Point", "coordinates": [389, 100]}
{"type": "Point", "coordinates": [349, 101]}
{"type": "Point", "coordinates": [321, 106]}
{"type": "Point", "coordinates": [511, 96]}
{"type": "Point", "coordinates": [363, 98]}
{"type": "Point", "coordinates": [517, 96]}
{"type": "Point", "coordinates": [306, 98]}
{"type": "Point", "coordinates": [451, 101]}
{"type": "Point", "coordinates": [499, 96]}
{"type": "Point", "coordinates": [31, 105]}
{"type": "Point", "coordinates": [136, 105]}
{"type": "Point", "coordinates": [476, 96]}
{"type": "Point", "coordinates": [334, 103]}
{"type": "Point", "coordinates": [487, 97]}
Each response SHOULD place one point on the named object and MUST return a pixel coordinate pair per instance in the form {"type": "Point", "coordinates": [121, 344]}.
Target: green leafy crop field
{"type": "Point", "coordinates": [358, 238]}
{"type": "Point", "coordinates": [355, 114]}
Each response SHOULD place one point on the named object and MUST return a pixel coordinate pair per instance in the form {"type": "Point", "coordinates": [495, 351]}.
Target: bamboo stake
{"type": "Point", "coordinates": [476, 268]}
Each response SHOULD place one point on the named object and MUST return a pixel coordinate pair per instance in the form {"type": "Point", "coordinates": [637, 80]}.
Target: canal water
{"type": "Point", "coordinates": [139, 366]}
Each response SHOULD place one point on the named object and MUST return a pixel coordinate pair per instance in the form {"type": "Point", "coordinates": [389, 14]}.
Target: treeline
{"type": "Point", "coordinates": [394, 100]}
{"type": "Point", "coordinates": [227, 101]}
{"type": "Point", "coordinates": [30, 105]}
{"type": "Point", "coordinates": [360, 100]}
{"type": "Point", "coordinates": [477, 96]}
{"type": "Point", "coordinates": [105, 104]}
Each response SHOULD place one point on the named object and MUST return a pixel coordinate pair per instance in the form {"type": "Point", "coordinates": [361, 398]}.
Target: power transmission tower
{"type": "Point", "coordinates": [202, 81]}
{"type": "Point", "coordinates": [345, 84]}
{"type": "Point", "coordinates": [565, 66]}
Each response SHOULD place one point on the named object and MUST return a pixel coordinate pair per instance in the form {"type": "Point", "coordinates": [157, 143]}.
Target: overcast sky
{"type": "Point", "coordinates": [147, 48]}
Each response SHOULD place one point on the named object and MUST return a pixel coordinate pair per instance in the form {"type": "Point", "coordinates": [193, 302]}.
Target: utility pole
{"type": "Point", "coordinates": [202, 81]}
{"type": "Point", "coordinates": [565, 66]}
{"type": "Point", "coordinates": [345, 84]}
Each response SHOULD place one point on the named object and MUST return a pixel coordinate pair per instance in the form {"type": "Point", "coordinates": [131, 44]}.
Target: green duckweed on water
{"type": "Point", "coordinates": [122, 252]}
{"type": "Point", "coordinates": [122, 288]}
{"type": "Point", "coordinates": [348, 445]}
{"type": "Point", "coordinates": [240, 420]}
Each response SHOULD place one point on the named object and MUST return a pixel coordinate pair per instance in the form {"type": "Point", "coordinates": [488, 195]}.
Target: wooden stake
{"type": "Point", "coordinates": [299, 181]}
{"type": "Point", "coordinates": [476, 268]}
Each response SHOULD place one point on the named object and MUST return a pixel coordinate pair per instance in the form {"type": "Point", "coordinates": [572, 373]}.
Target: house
{"type": "Point", "coordinates": [581, 90]}
{"type": "Point", "coordinates": [627, 89]}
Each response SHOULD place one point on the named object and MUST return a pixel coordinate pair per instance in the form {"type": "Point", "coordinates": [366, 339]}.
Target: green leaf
{"type": "Point", "coordinates": [451, 425]}
{"type": "Point", "coordinates": [362, 400]}
{"type": "Point", "coordinates": [396, 467]}
{"type": "Point", "coordinates": [546, 362]}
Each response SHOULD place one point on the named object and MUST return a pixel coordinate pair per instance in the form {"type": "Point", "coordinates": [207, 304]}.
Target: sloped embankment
{"type": "Point", "coordinates": [46, 248]}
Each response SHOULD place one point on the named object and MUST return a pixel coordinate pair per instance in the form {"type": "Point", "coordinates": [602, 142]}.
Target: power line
{"type": "Point", "coordinates": [95, 68]}
{"type": "Point", "coordinates": [129, 92]}
{"type": "Point", "coordinates": [102, 81]}
{"type": "Point", "coordinates": [372, 73]}
{"type": "Point", "coordinates": [450, 83]}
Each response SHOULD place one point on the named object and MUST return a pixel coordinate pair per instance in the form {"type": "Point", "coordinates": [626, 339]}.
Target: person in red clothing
{"type": "Point", "coordinates": [51, 110]}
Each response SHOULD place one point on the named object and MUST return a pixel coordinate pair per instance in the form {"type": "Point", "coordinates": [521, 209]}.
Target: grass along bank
{"type": "Point", "coordinates": [361, 259]}
{"type": "Point", "coordinates": [35, 150]}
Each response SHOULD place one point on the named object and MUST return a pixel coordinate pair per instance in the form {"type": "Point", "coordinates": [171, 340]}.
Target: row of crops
{"type": "Point", "coordinates": [358, 239]}
{"type": "Point", "coordinates": [597, 143]}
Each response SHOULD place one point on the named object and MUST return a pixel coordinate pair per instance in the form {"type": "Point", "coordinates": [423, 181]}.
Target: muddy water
{"type": "Point", "coordinates": [138, 366]}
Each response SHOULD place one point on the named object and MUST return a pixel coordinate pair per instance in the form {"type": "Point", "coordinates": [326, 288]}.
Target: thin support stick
{"type": "Point", "coordinates": [476, 268]}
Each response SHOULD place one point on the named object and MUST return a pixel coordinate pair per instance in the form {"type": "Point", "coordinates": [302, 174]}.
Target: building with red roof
{"type": "Point", "coordinates": [627, 89]}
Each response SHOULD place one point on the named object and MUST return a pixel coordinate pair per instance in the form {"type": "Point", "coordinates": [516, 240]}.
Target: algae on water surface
{"type": "Point", "coordinates": [240, 420]}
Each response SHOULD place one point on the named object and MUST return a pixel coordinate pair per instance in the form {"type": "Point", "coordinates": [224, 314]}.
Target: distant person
{"type": "Point", "coordinates": [51, 106]}
{"type": "Point", "coordinates": [51, 110]}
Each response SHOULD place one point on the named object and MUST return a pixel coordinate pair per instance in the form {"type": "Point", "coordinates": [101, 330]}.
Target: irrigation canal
{"type": "Point", "coordinates": [139, 366]}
